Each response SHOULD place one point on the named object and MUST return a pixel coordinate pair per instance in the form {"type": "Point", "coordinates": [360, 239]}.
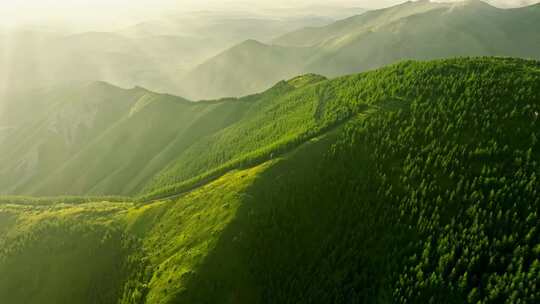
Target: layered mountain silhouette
{"type": "Point", "coordinates": [419, 30]}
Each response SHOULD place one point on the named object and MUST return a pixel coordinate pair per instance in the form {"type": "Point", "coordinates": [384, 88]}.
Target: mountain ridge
{"type": "Point", "coordinates": [191, 141]}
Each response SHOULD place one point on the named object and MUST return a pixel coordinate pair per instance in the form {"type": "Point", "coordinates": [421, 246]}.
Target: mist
{"type": "Point", "coordinates": [84, 15]}
{"type": "Point", "coordinates": [155, 44]}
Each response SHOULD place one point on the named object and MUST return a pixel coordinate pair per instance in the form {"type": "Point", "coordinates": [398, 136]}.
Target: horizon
{"type": "Point", "coordinates": [84, 15]}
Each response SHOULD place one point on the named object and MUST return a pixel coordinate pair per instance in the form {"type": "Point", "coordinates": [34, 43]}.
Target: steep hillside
{"type": "Point", "coordinates": [246, 73]}
{"type": "Point", "coordinates": [113, 252]}
{"type": "Point", "coordinates": [283, 117]}
{"type": "Point", "coordinates": [419, 30]}
{"type": "Point", "coordinates": [163, 144]}
{"type": "Point", "coordinates": [94, 155]}
{"type": "Point", "coordinates": [156, 130]}
{"type": "Point", "coordinates": [62, 123]}
{"type": "Point", "coordinates": [426, 191]}
{"type": "Point", "coordinates": [82, 253]}
{"type": "Point", "coordinates": [428, 200]}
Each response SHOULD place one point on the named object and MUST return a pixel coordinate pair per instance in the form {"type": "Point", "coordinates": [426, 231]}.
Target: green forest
{"type": "Point", "coordinates": [412, 183]}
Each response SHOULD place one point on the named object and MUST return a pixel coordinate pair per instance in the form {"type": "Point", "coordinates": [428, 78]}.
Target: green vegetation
{"type": "Point", "coordinates": [79, 141]}
{"type": "Point", "coordinates": [158, 143]}
{"type": "Point", "coordinates": [63, 254]}
{"type": "Point", "coordinates": [161, 143]}
{"type": "Point", "coordinates": [430, 200]}
{"type": "Point", "coordinates": [415, 183]}
{"type": "Point", "coordinates": [113, 252]}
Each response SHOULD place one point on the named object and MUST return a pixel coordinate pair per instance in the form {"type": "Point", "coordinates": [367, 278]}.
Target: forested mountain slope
{"type": "Point", "coordinates": [418, 30]}
{"type": "Point", "coordinates": [85, 154]}
{"type": "Point", "coordinates": [156, 133]}
{"type": "Point", "coordinates": [423, 189]}
{"type": "Point", "coordinates": [54, 125]}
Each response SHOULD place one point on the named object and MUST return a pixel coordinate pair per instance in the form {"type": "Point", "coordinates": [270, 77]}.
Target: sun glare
{"type": "Point", "coordinates": [77, 12]}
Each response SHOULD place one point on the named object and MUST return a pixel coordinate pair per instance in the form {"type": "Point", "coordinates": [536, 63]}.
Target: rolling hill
{"type": "Point", "coordinates": [419, 30]}
{"type": "Point", "coordinates": [414, 183]}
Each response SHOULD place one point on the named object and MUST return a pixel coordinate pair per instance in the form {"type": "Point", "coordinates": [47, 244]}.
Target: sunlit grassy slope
{"type": "Point", "coordinates": [62, 254]}
{"type": "Point", "coordinates": [425, 190]}
{"type": "Point", "coordinates": [107, 252]}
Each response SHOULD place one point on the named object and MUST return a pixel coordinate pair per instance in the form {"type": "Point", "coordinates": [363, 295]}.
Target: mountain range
{"type": "Point", "coordinates": [157, 141]}
{"type": "Point", "coordinates": [415, 30]}
{"type": "Point", "coordinates": [154, 53]}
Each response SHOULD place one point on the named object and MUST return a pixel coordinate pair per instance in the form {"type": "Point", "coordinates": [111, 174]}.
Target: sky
{"type": "Point", "coordinates": [119, 12]}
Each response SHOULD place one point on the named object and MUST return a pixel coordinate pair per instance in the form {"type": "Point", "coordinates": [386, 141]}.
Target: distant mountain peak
{"type": "Point", "coordinates": [101, 85]}
{"type": "Point", "coordinates": [139, 88]}
{"type": "Point", "coordinates": [470, 3]}
{"type": "Point", "coordinates": [416, 2]}
{"type": "Point", "coordinates": [252, 42]}
{"type": "Point", "coordinates": [107, 86]}
{"type": "Point", "coordinates": [474, 2]}
{"type": "Point", "coordinates": [247, 45]}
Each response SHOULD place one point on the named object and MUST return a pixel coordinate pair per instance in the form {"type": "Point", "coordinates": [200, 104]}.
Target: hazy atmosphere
{"type": "Point", "coordinates": [86, 14]}
{"type": "Point", "coordinates": [269, 152]}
